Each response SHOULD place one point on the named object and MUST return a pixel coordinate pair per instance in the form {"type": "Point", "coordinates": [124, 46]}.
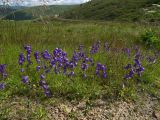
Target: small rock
{"type": "Point", "coordinates": [81, 105]}
{"type": "Point", "coordinates": [156, 115]}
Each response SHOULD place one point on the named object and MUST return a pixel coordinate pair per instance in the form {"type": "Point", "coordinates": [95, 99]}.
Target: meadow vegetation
{"type": "Point", "coordinates": [14, 35]}
{"type": "Point", "coordinates": [112, 44]}
{"type": "Point", "coordinates": [50, 64]}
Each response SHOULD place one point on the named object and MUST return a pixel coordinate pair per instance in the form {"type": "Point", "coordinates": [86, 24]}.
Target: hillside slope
{"type": "Point", "coordinates": [124, 10]}
{"type": "Point", "coordinates": [38, 11]}
{"type": "Point", "coordinates": [4, 10]}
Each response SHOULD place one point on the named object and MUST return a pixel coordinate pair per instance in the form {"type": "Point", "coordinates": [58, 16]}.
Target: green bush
{"type": "Point", "coordinates": [150, 38]}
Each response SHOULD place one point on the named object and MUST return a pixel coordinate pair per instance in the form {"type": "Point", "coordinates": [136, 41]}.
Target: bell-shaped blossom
{"type": "Point", "coordinates": [3, 70]}
{"type": "Point", "coordinates": [95, 47]}
{"type": "Point", "coordinates": [2, 86]}
{"type": "Point", "coordinates": [46, 55]}
{"type": "Point", "coordinates": [36, 55]}
{"type": "Point", "coordinates": [28, 49]}
{"type": "Point", "coordinates": [25, 79]}
{"type": "Point", "coordinates": [101, 69]}
{"type": "Point", "coordinates": [21, 59]}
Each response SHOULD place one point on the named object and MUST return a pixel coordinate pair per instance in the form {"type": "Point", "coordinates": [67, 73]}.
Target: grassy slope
{"type": "Point", "coordinates": [36, 12]}
{"type": "Point", "coordinates": [126, 10]}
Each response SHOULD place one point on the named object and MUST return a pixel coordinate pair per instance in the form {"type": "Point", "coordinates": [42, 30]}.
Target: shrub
{"type": "Point", "coordinates": [150, 38]}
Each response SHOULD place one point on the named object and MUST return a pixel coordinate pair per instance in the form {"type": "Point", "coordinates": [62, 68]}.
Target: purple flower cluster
{"type": "Point", "coordinates": [84, 66]}
{"type": "Point", "coordinates": [136, 68]}
{"type": "Point", "coordinates": [95, 48]}
{"type": "Point", "coordinates": [44, 86]}
{"type": "Point", "coordinates": [81, 57]}
{"type": "Point", "coordinates": [21, 59]}
{"type": "Point", "coordinates": [3, 73]}
{"type": "Point", "coordinates": [3, 70]}
{"type": "Point", "coordinates": [46, 55]}
{"type": "Point", "coordinates": [57, 62]}
{"type": "Point", "coordinates": [28, 50]}
{"type": "Point", "coordinates": [101, 68]}
{"type": "Point", "coordinates": [25, 79]}
{"type": "Point", "coordinates": [2, 86]}
{"type": "Point", "coordinates": [36, 56]}
{"type": "Point", "coordinates": [78, 56]}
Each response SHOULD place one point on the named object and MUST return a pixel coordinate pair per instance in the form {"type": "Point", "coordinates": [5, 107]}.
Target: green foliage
{"type": "Point", "coordinates": [118, 10]}
{"type": "Point", "coordinates": [150, 38]}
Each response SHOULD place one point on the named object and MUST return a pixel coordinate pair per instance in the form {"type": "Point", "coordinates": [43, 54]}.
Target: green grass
{"type": "Point", "coordinates": [69, 35]}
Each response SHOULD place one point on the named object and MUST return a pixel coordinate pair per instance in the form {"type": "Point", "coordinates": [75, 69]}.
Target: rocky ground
{"type": "Point", "coordinates": [144, 108]}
